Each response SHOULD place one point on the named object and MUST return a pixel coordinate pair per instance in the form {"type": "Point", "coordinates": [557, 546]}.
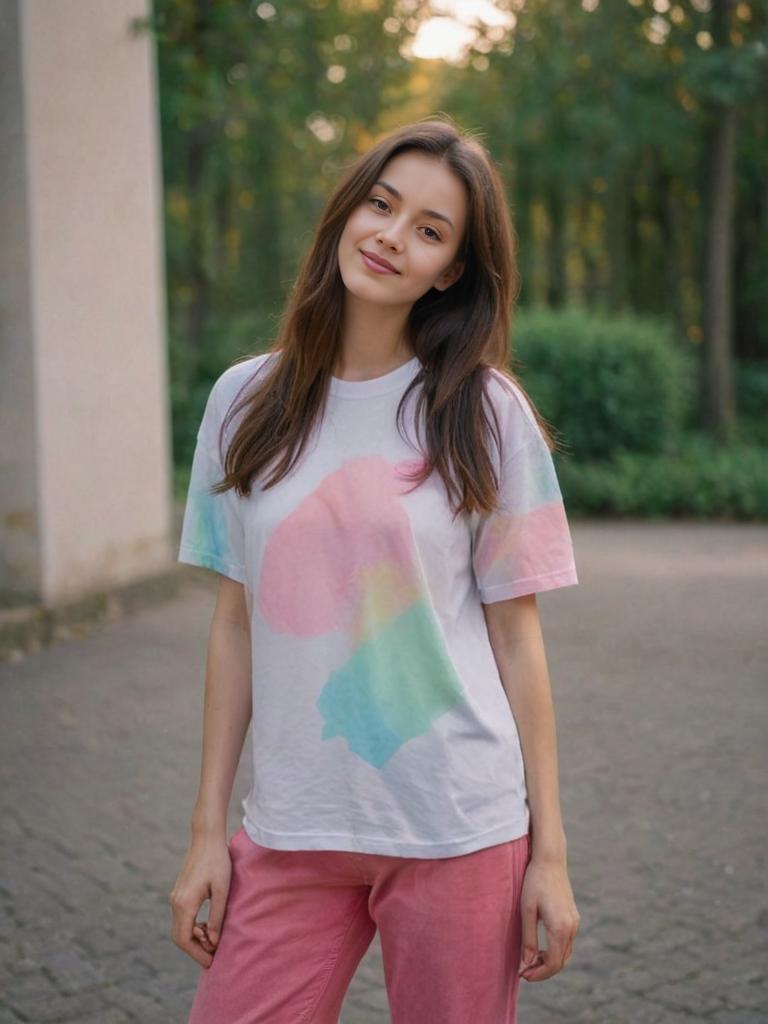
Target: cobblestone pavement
{"type": "Point", "coordinates": [659, 666]}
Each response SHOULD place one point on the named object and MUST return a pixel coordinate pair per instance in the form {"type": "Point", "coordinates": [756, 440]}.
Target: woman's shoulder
{"type": "Point", "coordinates": [512, 406]}
{"type": "Point", "coordinates": [228, 385]}
{"type": "Point", "coordinates": [228, 389]}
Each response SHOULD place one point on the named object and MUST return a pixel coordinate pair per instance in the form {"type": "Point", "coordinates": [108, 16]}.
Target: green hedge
{"type": "Point", "coordinates": [701, 479]}
{"type": "Point", "coordinates": [752, 402]}
{"type": "Point", "coordinates": [608, 385]}
{"type": "Point", "coordinates": [620, 393]}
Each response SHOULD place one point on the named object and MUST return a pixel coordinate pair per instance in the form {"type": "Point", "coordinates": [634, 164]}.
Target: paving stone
{"type": "Point", "coordinates": [739, 1017]}
{"type": "Point", "coordinates": [46, 1010]}
{"type": "Point", "coordinates": [27, 986]}
{"type": "Point", "coordinates": [98, 940]}
{"type": "Point", "coordinates": [138, 1005]}
{"type": "Point", "coordinates": [72, 970]}
{"type": "Point", "coordinates": [7, 1016]}
{"type": "Point", "coordinates": [109, 1015]}
{"type": "Point", "coordinates": [375, 1000]}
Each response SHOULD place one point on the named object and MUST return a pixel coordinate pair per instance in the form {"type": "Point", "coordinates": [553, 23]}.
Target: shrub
{"type": "Point", "coordinates": [607, 384]}
{"type": "Point", "coordinates": [699, 479]}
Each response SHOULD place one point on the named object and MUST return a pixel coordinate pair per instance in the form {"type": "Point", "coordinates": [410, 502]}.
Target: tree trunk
{"type": "Point", "coordinates": [617, 236]}
{"type": "Point", "coordinates": [198, 306]}
{"type": "Point", "coordinates": [199, 146]}
{"type": "Point", "coordinates": [591, 294]}
{"type": "Point", "coordinates": [718, 391]}
{"type": "Point", "coordinates": [556, 250]}
{"type": "Point", "coordinates": [671, 228]}
{"type": "Point", "coordinates": [522, 198]}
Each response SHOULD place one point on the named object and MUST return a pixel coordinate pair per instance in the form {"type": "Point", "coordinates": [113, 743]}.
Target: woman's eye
{"type": "Point", "coordinates": [385, 206]}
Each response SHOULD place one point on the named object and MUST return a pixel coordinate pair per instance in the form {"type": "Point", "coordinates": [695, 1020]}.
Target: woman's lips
{"type": "Point", "coordinates": [375, 265]}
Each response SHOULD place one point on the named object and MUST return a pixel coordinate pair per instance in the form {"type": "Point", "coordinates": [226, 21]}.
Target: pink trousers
{"type": "Point", "coordinates": [298, 922]}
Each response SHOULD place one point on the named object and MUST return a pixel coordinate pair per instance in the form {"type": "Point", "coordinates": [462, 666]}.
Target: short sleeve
{"type": "Point", "coordinates": [524, 546]}
{"type": "Point", "coordinates": [212, 529]}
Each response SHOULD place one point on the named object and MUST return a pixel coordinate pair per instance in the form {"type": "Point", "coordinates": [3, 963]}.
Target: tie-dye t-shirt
{"type": "Point", "coordinates": [380, 723]}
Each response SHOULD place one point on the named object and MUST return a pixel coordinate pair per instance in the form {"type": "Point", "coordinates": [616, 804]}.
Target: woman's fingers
{"type": "Point", "coordinates": [182, 931]}
{"type": "Point", "coordinates": [219, 893]}
{"type": "Point", "coordinates": [553, 958]}
{"type": "Point", "coordinates": [530, 938]}
{"type": "Point", "coordinates": [194, 948]}
{"type": "Point", "coordinates": [200, 932]}
{"type": "Point", "coordinates": [542, 968]}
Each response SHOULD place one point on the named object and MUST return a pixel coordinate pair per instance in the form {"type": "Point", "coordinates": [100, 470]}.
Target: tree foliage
{"type": "Point", "coordinates": [597, 113]}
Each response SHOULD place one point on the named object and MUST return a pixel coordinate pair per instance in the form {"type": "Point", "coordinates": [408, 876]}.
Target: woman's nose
{"type": "Point", "coordinates": [390, 238]}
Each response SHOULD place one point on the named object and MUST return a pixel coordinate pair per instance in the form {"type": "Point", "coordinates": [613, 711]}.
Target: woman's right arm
{"type": "Point", "coordinates": [227, 710]}
{"type": "Point", "coordinates": [226, 716]}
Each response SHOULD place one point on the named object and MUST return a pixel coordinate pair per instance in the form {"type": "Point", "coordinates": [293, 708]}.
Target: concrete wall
{"type": "Point", "coordinates": [85, 452]}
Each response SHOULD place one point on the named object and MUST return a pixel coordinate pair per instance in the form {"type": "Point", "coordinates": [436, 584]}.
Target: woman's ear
{"type": "Point", "coordinates": [448, 277]}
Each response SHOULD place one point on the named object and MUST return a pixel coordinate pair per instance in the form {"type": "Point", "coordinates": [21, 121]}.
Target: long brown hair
{"type": "Point", "coordinates": [459, 334]}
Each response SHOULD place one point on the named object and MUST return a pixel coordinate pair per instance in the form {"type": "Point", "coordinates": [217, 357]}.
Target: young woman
{"type": "Point", "coordinates": [379, 496]}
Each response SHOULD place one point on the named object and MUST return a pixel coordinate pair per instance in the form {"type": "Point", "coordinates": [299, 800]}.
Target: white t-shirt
{"type": "Point", "coordinates": [380, 723]}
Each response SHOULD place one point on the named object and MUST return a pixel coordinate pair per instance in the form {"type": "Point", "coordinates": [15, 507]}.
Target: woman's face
{"type": "Point", "coordinates": [413, 217]}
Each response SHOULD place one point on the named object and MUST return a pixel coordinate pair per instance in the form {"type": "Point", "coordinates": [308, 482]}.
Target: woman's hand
{"type": "Point", "coordinates": [547, 894]}
{"type": "Point", "coordinates": [205, 874]}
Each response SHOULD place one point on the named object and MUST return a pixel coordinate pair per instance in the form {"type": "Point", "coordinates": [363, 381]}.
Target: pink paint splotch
{"type": "Point", "coordinates": [523, 544]}
{"type": "Point", "coordinates": [345, 551]}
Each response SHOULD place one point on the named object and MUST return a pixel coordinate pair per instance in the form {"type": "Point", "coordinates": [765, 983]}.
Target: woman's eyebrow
{"type": "Point", "coordinates": [431, 213]}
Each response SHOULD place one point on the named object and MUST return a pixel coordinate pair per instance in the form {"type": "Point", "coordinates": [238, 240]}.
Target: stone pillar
{"type": "Point", "coordinates": [85, 441]}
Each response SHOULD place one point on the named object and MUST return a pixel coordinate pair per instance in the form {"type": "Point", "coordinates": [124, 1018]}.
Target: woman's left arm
{"type": "Point", "coordinates": [515, 633]}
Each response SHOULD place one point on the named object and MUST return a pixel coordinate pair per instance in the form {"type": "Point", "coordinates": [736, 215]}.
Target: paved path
{"type": "Point", "coordinates": [659, 666]}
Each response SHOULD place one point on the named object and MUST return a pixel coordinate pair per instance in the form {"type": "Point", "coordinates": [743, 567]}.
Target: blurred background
{"type": "Point", "coordinates": [162, 168]}
{"type": "Point", "coordinates": [633, 139]}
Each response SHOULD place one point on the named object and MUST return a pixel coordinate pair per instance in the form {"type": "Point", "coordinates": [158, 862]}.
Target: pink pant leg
{"type": "Point", "coordinates": [295, 928]}
{"type": "Point", "coordinates": [451, 934]}
{"type": "Point", "coordinates": [298, 923]}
